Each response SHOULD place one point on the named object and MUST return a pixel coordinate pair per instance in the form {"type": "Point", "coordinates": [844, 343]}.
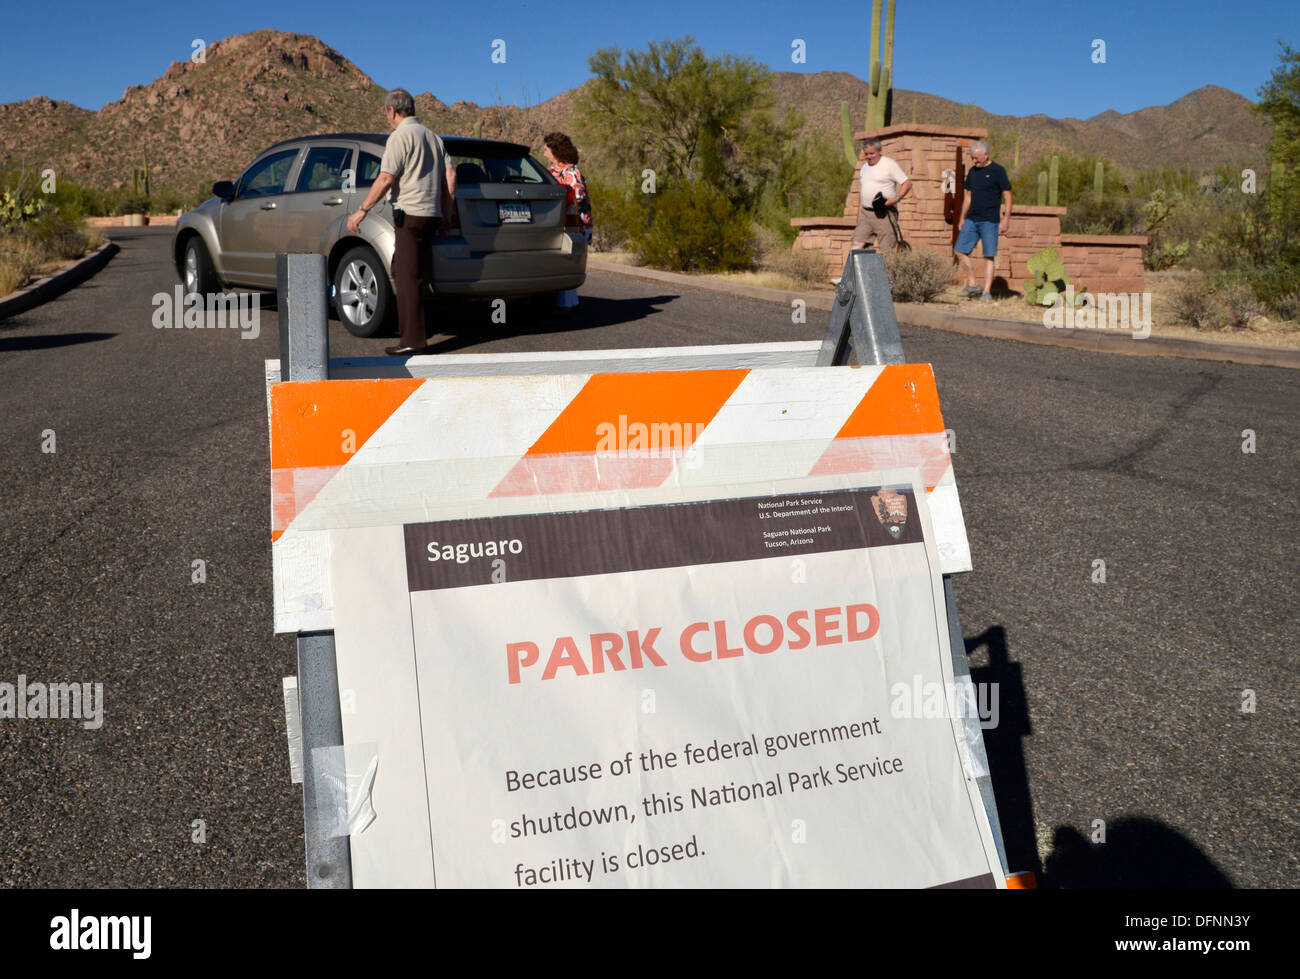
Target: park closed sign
{"type": "Point", "coordinates": [685, 687]}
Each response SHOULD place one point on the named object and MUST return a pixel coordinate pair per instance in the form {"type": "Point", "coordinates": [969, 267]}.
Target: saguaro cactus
{"type": "Point", "coordinates": [1016, 160]}
{"type": "Point", "coordinates": [1277, 180]}
{"type": "Point", "coordinates": [846, 133]}
{"type": "Point", "coordinates": [880, 94]}
{"type": "Point", "coordinates": [145, 171]}
{"type": "Point", "coordinates": [1042, 188]}
{"type": "Point", "coordinates": [1098, 179]}
{"type": "Point", "coordinates": [1053, 180]}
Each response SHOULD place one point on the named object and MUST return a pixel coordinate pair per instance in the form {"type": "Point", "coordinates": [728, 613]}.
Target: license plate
{"type": "Point", "coordinates": [515, 212]}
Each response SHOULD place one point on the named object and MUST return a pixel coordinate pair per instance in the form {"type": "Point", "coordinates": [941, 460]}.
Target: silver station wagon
{"type": "Point", "coordinates": [509, 233]}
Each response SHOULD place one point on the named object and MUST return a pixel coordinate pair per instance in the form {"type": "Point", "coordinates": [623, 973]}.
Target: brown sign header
{"type": "Point", "coordinates": [478, 551]}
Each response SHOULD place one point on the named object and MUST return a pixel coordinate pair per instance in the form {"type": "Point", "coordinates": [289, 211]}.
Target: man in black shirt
{"type": "Point", "coordinates": [985, 210]}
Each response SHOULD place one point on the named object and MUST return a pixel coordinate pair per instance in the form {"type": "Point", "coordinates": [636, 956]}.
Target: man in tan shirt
{"type": "Point", "coordinates": [413, 167]}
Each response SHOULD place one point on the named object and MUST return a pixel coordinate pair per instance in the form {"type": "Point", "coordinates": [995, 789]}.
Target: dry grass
{"type": "Point", "coordinates": [766, 279]}
{"type": "Point", "coordinates": [20, 259]}
{"type": "Point", "coordinates": [24, 257]}
{"type": "Point", "coordinates": [776, 262]}
{"type": "Point", "coordinates": [1164, 288]}
{"type": "Point", "coordinates": [617, 257]}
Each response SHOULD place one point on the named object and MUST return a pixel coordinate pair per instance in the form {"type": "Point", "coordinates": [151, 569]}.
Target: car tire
{"type": "Point", "coordinates": [197, 274]}
{"type": "Point", "coordinates": [363, 296]}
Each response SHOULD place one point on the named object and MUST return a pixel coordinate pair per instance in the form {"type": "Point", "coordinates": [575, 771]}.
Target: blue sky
{"type": "Point", "coordinates": [1015, 58]}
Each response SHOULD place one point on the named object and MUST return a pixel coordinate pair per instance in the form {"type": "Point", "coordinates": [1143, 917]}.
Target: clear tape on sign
{"type": "Point", "coordinates": [344, 776]}
{"type": "Point", "coordinates": [293, 726]}
{"type": "Point", "coordinates": [970, 724]}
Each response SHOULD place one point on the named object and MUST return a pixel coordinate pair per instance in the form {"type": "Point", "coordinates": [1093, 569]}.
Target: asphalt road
{"type": "Point", "coordinates": [1119, 701]}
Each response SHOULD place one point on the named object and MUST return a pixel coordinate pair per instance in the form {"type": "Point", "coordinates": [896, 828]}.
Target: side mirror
{"type": "Point", "coordinates": [224, 189]}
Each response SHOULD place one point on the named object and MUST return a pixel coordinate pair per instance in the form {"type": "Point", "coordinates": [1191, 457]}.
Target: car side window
{"type": "Point", "coordinates": [323, 168]}
{"type": "Point", "coordinates": [368, 170]}
{"type": "Point", "coordinates": [267, 176]}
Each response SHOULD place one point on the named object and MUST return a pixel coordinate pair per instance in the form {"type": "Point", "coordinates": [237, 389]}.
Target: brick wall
{"type": "Point", "coordinates": [120, 221]}
{"type": "Point", "coordinates": [1104, 263]}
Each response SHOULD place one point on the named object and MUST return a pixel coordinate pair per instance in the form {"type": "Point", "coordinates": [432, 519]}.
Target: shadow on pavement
{"type": "Point", "coordinates": [471, 325]}
{"type": "Point", "coordinates": [1004, 745]}
{"type": "Point", "coordinates": [49, 342]}
{"type": "Point", "coordinates": [1137, 853]}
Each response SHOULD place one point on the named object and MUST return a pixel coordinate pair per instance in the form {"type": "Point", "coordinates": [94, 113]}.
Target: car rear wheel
{"type": "Point", "coordinates": [362, 293]}
{"type": "Point", "coordinates": [197, 272]}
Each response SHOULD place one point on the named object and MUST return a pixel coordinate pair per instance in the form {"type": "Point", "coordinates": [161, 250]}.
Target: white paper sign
{"type": "Point", "coordinates": [700, 694]}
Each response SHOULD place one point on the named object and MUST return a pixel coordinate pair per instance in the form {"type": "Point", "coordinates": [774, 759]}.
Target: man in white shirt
{"type": "Point", "coordinates": [880, 175]}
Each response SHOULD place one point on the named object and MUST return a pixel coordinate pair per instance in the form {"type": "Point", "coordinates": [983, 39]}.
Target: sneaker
{"type": "Point", "coordinates": [969, 291]}
{"type": "Point", "coordinates": [986, 297]}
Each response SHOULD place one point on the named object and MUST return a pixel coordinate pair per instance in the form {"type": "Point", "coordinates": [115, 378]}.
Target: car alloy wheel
{"type": "Point", "coordinates": [362, 294]}
{"type": "Point", "coordinates": [358, 293]}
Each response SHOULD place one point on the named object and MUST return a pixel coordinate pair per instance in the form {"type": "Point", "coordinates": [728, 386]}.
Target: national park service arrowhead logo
{"type": "Point", "coordinates": [891, 511]}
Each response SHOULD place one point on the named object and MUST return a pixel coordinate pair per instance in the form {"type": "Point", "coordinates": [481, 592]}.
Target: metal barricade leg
{"type": "Point", "coordinates": [304, 356]}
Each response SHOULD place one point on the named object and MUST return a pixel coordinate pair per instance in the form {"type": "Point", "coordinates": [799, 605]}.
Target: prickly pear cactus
{"type": "Point", "coordinates": [1049, 278]}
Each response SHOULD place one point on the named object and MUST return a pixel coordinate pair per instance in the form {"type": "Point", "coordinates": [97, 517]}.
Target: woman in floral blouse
{"type": "Point", "coordinates": [562, 157]}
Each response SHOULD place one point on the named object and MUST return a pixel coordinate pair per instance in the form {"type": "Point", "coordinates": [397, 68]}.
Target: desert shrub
{"type": "Point", "coordinates": [1192, 304]}
{"type": "Point", "coordinates": [1113, 215]}
{"type": "Point", "coordinates": [1273, 281]}
{"type": "Point", "coordinates": [618, 216]}
{"type": "Point", "coordinates": [693, 226]}
{"type": "Point", "coordinates": [35, 228]}
{"type": "Point", "coordinates": [133, 204]}
{"type": "Point", "coordinates": [62, 235]}
{"type": "Point", "coordinates": [51, 237]}
{"type": "Point", "coordinates": [1237, 296]}
{"type": "Point", "coordinates": [812, 179]}
{"type": "Point", "coordinates": [917, 276]}
{"type": "Point", "coordinates": [1157, 258]}
{"type": "Point", "coordinates": [1287, 307]}
{"type": "Point", "coordinates": [773, 253]}
{"type": "Point", "coordinates": [20, 257]}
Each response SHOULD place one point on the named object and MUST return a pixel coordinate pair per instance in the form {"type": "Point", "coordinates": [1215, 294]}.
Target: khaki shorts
{"type": "Point", "coordinates": [870, 226]}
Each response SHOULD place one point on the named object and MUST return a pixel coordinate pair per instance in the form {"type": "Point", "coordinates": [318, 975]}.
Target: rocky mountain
{"type": "Point", "coordinates": [201, 122]}
{"type": "Point", "coordinates": [1203, 130]}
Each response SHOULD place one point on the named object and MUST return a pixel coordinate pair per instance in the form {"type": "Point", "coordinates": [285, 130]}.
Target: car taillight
{"type": "Point", "coordinates": [571, 219]}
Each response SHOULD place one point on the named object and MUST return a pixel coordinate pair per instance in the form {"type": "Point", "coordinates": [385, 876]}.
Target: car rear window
{"type": "Point", "coordinates": [481, 162]}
